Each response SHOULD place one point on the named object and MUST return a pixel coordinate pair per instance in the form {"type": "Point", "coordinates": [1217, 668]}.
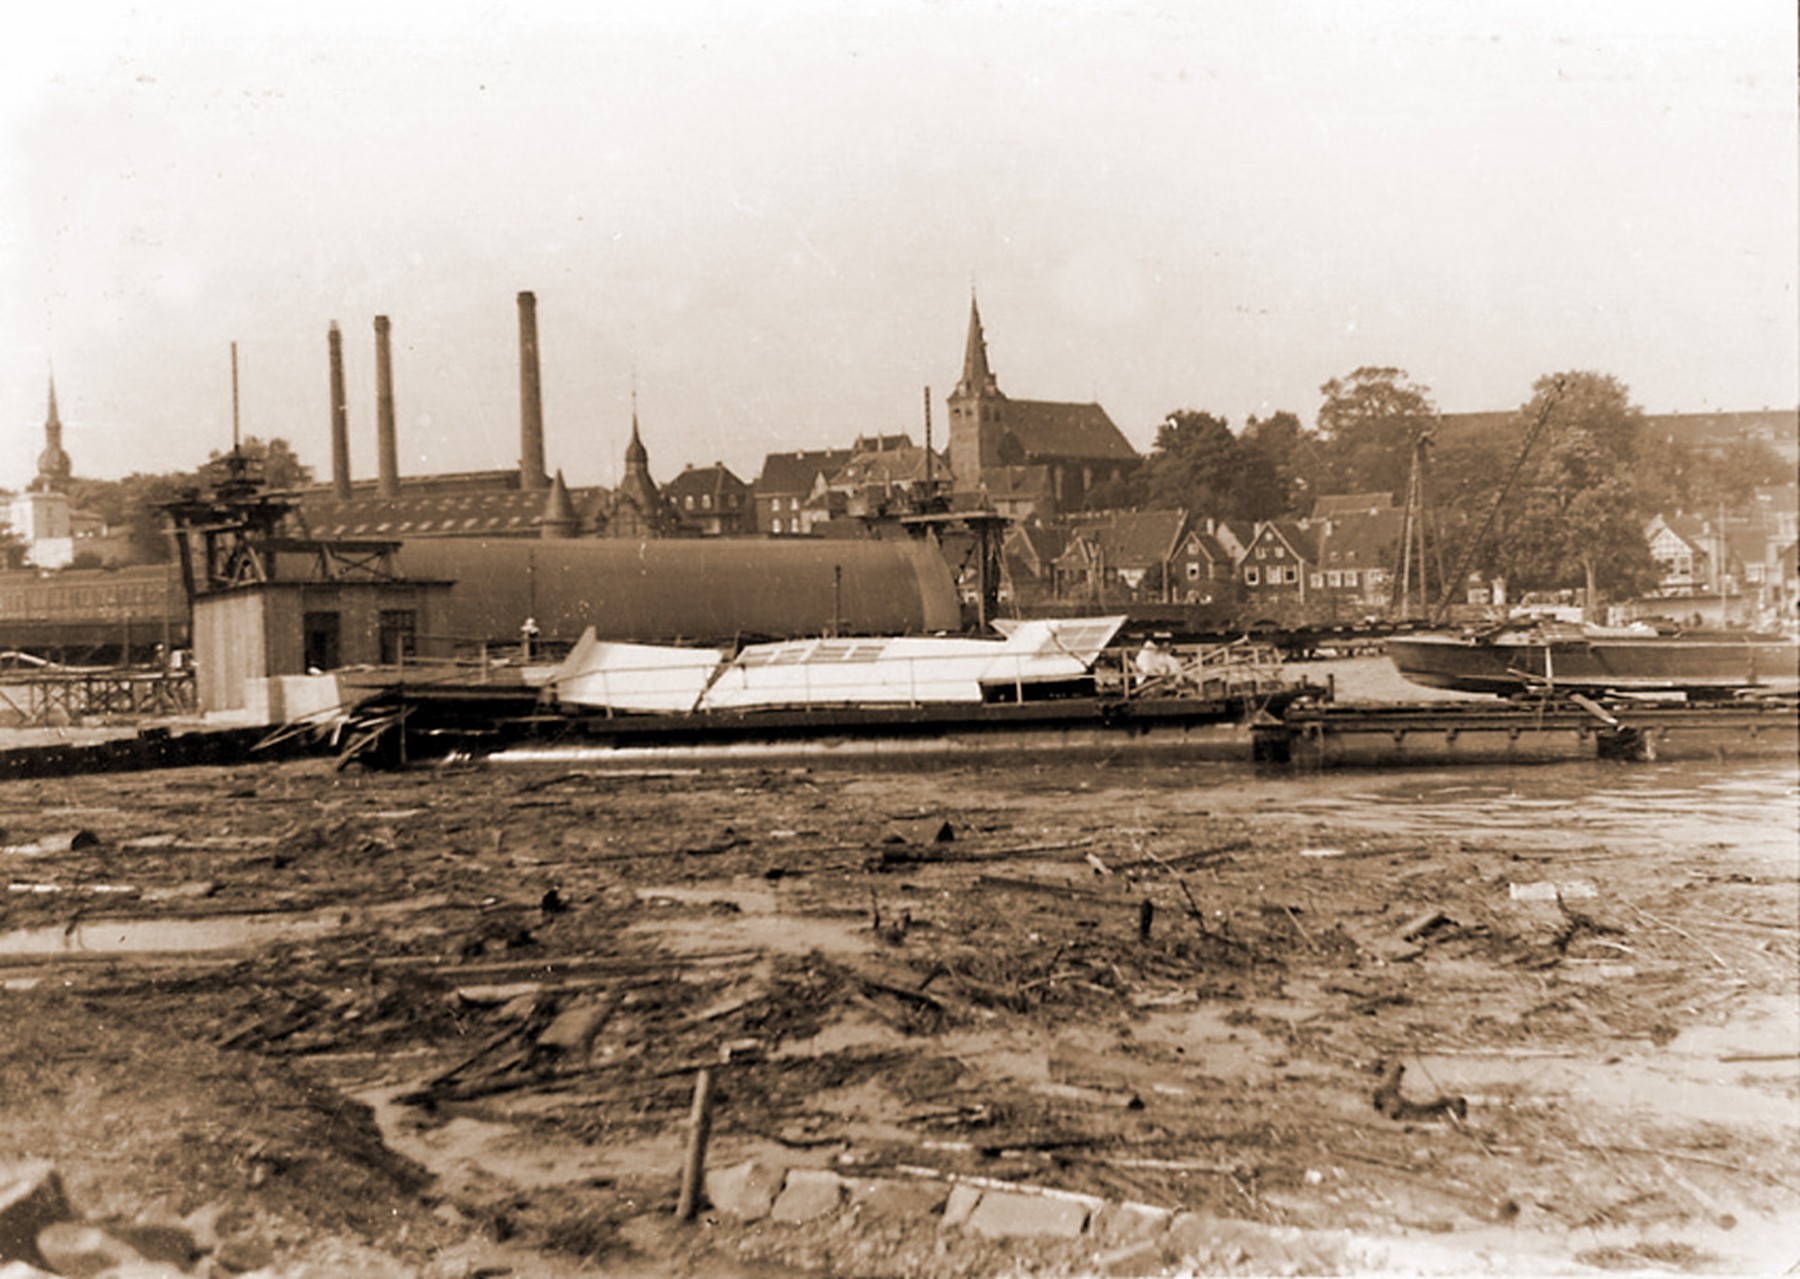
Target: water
{"type": "Point", "coordinates": [1749, 807]}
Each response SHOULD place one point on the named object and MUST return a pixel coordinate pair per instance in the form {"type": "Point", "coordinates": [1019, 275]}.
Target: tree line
{"type": "Point", "coordinates": [1554, 495]}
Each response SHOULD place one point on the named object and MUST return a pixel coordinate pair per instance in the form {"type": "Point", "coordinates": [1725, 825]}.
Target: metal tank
{"type": "Point", "coordinates": [686, 589]}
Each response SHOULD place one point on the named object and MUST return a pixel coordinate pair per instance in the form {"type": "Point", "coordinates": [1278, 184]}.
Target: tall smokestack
{"type": "Point", "coordinates": [531, 400]}
{"type": "Point", "coordinates": [388, 447]}
{"type": "Point", "coordinates": [340, 418]}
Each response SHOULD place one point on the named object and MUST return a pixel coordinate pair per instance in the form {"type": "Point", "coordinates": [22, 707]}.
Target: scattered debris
{"type": "Point", "coordinates": [1389, 1101]}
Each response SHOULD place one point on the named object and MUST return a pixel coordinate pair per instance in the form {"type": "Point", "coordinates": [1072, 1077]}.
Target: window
{"type": "Point", "coordinates": [793, 504]}
{"type": "Point", "coordinates": [1250, 575]}
{"type": "Point", "coordinates": [690, 501]}
{"type": "Point", "coordinates": [1318, 580]}
{"type": "Point", "coordinates": [1279, 553]}
{"type": "Point", "coordinates": [1193, 571]}
{"type": "Point", "coordinates": [319, 632]}
{"type": "Point", "coordinates": [1350, 578]}
{"type": "Point", "coordinates": [1290, 574]}
{"type": "Point", "coordinates": [775, 526]}
{"type": "Point", "coordinates": [1334, 577]}
{"type": "Point", "coordinates": [706, 501]}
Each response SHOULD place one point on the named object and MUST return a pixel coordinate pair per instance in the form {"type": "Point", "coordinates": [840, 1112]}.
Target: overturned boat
{"type": "Point", "coordinates": [1625, 659]}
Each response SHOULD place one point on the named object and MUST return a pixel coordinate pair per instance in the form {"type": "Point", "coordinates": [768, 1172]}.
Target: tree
{"type": "Point", "coordinates": [275, 461]}
{"type": "Point", "coordinates": [1281, 467]}
{"type": "Point", "coordinates": [1578, 516]}
{"type": "Point", "coordinates": [1194, 464]}
{"type": "Point", "coordinates": [13, 548]}
{"type": "Point", "coordinates": [1368, 422]}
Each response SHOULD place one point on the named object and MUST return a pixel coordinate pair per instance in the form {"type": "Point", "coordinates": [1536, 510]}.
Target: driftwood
{"type": "Point", "coordinates": [1389, 1102]}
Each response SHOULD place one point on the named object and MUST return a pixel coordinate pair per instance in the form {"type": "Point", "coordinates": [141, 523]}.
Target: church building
{"type": "Point", "coordinates": [1001, 447]}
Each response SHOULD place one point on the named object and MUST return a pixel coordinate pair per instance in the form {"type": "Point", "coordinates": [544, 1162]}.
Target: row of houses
{"type": "Point", "coordinates": [1342, 562]}
{"type": "Point", "coordinates": [1336, 562]}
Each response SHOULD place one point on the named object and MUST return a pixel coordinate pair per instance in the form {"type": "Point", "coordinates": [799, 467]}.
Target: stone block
{"type": "Point", "coordinates": [901, 1197]}
{"type": "Point", "coordinates": [809, 1193]}
{"type": "Point", "coordinates": [746, 1190]}
{"type": "Point", "coordinates": [1001, 1214]}
{"type": "Point", "coordinates": [1118, 1225]}
{"type": "Point", "coordinates": [31, 1197]}
{"type": "Point", "coordinates": [961, 1201]}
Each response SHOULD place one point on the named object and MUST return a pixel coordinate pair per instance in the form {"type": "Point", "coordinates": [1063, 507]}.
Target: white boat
{"type": "Point", "coordinates": [835, 672]}
{"type": "Point", "coordinates": [634, 678]}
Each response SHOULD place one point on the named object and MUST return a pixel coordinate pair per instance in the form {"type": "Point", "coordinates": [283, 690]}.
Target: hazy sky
{"type": "Point", "coordinates": [773, 213]}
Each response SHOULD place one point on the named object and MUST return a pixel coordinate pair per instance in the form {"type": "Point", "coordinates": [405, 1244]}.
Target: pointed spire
{"type": "Point", "coordinates": [977, 378]}
{"type": "Point", "coordinates": [558, 519]}
{"type": "Point", "coordinates": [53, 463]}
{"type": "Point", "coordinates": [635, 453]}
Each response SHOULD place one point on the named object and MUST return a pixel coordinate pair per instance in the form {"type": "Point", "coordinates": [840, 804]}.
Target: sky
{"type": "Point", "coordinates": [768, 219]}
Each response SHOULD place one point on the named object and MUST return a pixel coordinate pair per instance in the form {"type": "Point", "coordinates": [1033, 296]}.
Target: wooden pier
{"type": "Point", "coordinates": [1329, 735]}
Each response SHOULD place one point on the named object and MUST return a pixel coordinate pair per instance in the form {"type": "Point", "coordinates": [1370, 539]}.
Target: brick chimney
{"type": "Point", "coordinates": [388, 447]}
{"type": "Point", "coordinates": [531, 400]}
{"type": "Point", "coordinates": [340, 417]}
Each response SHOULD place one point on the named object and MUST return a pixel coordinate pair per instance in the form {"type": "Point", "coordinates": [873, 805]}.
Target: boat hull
{"type": "Point", "coordinates": [1719, 664]}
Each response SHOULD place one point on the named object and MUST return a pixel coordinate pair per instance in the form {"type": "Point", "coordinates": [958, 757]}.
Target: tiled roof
{"type": "Point", "coordinates": [794, 473]}
{"type": "Point", "coordinates": [1135, 539]}
{"type": "Point", "coordinates": [1048, 430]}
{"type": "Point", "coordinates": [504, 513]}
{"type": "Point", "coordinates": [1299, 538]}
{"type": "Point", "coordinates": [715, 479]}
{"type": "Point", "coordinates": [902, 464]}
{"type": "Point", "coordinates": [1360, 541]}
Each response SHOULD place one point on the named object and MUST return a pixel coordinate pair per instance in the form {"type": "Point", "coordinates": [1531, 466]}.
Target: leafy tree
{"type": "Point", "coordinates": [134, 504]}
{"type": "Point", "coordinates": [1368, 422]}
{"type": "Point", "coordinates": [1578, 516]}
{"type": "Point", "coordinates": [1280, 467]}
{"type": "Point", "coordinates": [1194, 464]}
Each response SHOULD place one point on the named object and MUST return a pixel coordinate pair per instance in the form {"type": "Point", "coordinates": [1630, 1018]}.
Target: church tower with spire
{"type": "Point", "coordinates": [976, 409]}
{"type": "Point", "coordinates": [638, 509]}
{"type": "Point", "coordinates": [53, 463]}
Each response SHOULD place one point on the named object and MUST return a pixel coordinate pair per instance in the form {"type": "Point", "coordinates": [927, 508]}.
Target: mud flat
{"type": "Point", "coordinates": [975, 1019]}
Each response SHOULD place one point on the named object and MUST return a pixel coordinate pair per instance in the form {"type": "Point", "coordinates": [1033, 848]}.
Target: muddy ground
{"type": "Point", "coordinates": [448, 1022]}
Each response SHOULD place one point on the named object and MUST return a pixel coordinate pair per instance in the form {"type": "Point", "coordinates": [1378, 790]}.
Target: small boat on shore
{"type": "Point", "coordinates": [1624, 659]}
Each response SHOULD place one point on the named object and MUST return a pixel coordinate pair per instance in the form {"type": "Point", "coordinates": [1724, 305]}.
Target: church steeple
{"type": "Point", "coordinates": [638, 506]}
{"type": "Point", "coordinates": [977, 378]}
{"type": "Point", "coordinates": [54, 467]}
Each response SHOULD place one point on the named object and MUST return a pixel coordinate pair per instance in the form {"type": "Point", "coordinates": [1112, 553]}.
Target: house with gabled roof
{"type": "Point", "coordinates": [885, 473]}
{"type": "Point", "coordinates": [1358, 546]}
{"type": "Point", "coordinates": [1277, 565]}
{"type": "Point", "coordinates": [1680, 545]}
{"type": "Point", "coordinates": [711, 501]}
{"type": "Point", "coordinates": [1071, 447]}
{"type": "Point", "coordinates": [791, 491]}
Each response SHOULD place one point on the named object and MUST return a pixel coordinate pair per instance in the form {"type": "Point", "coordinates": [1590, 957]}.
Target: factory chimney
{"type": "Point", "coordinates": [531, 400]}
{"type": "Point", "coordinates": [340, 418]}
{"type": "Point", "coordinates": [387, 447]}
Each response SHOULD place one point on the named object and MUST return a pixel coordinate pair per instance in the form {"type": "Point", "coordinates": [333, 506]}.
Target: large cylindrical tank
{"type": "Point", "coordinates": [703, 589]}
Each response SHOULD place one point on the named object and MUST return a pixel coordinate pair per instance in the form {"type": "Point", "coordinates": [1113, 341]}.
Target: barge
{"type": "Point", "coordinates": [1600, 659]}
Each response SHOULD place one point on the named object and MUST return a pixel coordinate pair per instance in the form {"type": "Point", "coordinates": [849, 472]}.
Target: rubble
{"type": "Point", "coordinates": [1099, 1027]}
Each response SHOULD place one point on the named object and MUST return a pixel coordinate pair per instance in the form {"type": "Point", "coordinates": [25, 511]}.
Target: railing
{"type": "Point", "coordinates": [50, 696]}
